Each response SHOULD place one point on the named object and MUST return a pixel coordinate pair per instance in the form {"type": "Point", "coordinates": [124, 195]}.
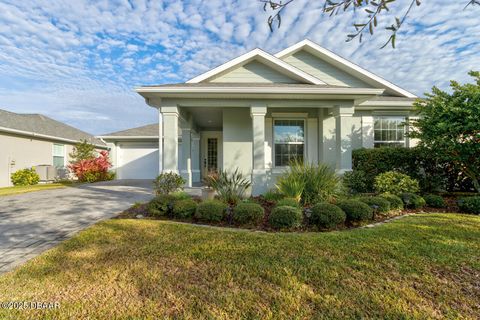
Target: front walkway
{"type": "Point", "coordinates": [34, 222]}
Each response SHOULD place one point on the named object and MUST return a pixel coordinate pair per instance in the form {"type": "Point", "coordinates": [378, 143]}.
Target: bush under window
{"type": "Point", "coordinates": [25, 177]}
{"type": "Point", "coordinates": [285, 217]}
{"type": "Point", "coordinates": [470, 205]}
{"type": "Point", "coordinates": [356, 210]}
{"type": "Point", "coordinates": [355, 181]}
{"type": "Point", "coordinates": [327, 216]}
{"type": "Point", "coordinates": [395, 183]}
{"type": "Point", "coordinates": [248, 213]}
{"type": "Point", "coordinates": [211, 211]}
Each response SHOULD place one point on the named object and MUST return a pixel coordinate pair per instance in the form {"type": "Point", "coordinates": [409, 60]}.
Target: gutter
{"type": "Point", "coordinates": [44, 136]}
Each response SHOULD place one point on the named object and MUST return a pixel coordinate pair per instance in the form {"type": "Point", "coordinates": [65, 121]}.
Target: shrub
{"type": "Point", "coordinates": [434, 201]}
{"type": "Point", "coordinates": [291, 202]}
{"type": "Point", "coordinates": [470, 205]}
{"type": "Point", "coordinates": [273, 195]}
{"type": "Point", "coordinates": [248, 213]}
{"type": "Point", "coordinates": [383, 205]}
{"type": "Point", "coordinates": [184, 208]}
{"type": "Point", "coordinates": [92, 169]}
{"type": "Point", "coordinates": [412, 201]}
{"type": "Point", "coordinates": [309, 183]}
{"type": "Point", "coordinates": [355, 181]}
{"type": "Point", "coordinates": [396, 202]}
{"type": "Point", "coordinates": [210, 211]}
{"type": "Point", "coordinates": [25, 177]}
{"type": "Point", "coordinates": [395, 183]}
{"type": "Point", "coordinates": [168, 182]}
{"type": "Point", "coordinates": [285, 217]}
{"type": "Point", "coordinates": [230, 187]}
{"type": "Point", "coordinates": [327, 216]}
{"type": "Point", "coordinates": [161, 205]}
{"type": "Point", "coordinates": [356, 210]}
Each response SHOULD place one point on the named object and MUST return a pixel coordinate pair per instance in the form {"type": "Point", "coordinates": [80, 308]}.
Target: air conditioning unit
{"type": "Point", "coordinates": [46, 172]}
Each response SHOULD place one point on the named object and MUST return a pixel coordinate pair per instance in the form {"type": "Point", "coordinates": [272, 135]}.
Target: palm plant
{"type": "Point", "coordinates": [230, 186]}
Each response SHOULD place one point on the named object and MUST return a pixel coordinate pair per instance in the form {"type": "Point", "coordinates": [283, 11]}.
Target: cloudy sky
{"type": "Point", "coordinates": [77, 61]}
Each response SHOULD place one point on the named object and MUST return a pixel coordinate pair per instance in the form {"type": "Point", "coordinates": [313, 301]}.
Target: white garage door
{"type": "Point", "coordinates": [137, 161]}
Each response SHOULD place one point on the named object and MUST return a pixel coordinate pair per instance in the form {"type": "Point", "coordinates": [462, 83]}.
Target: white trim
{"type": "Point", "coordinates": [262, 56]}
{"type": "Point", "coordinates": [304, 143]}
{"type": "Point", "coordinates": [386, 103]}
{"type": "Point", "coordinates": [44, 136]}
{"type": "Point", "coordinates": [394, 117]}
{"type": "Point", "coordinates": [344, 64]}
{"type": "Point", "coordinates": [126, 137]}
{"type": "Point", "coordinates": [298, 90]}
{"type": "Point", "coordinates": [64, 153]}
{"type": "Point", "coordinates": [289, 115]}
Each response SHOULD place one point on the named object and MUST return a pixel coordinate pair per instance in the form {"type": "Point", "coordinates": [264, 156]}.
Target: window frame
{"type": "Point", "coordinates": [404, 142]}
{"type": "Point", "coordinates": [55, 155]}
{"type": "Point", "coordinates": [304, 143]}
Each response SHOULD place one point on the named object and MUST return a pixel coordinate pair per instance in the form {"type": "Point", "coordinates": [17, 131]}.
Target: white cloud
{"type": "Point", "coordinates": [78, 60]}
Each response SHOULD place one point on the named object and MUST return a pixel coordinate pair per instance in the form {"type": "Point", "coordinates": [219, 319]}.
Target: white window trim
{"type": "Point", "coordinates": [391, 116]}
{"type": "Point", "coordinates": [293, 117]}
{"type": "Point", "coordinates": [64, 153]}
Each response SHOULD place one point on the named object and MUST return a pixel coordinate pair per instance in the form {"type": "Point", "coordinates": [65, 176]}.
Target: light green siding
{"type": "Point", "coordinates": [255, 72]}
{"type": "Point", "coordinates": [324, 71]}
{"type": "Point", "coordinates": [237, 140]}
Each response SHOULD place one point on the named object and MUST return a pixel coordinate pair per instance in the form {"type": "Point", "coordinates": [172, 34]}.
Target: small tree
{"type": "Point", "coordinates": [449, 126]}
{"type": "Point", "coordinates": [83, 150]}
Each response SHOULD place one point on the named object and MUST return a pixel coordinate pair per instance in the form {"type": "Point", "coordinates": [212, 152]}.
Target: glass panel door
{"type": "Point", "coordinates": [212, 154]}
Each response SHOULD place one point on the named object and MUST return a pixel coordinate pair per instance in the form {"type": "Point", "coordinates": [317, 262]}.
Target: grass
{"type": "Point", "coordinates": [423, 266]}
{"type": "Point", "coordinates": [7, 191]}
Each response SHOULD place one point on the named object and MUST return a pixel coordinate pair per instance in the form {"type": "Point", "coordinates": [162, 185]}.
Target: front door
{"type": "Point", "coordinates": [211, 152]}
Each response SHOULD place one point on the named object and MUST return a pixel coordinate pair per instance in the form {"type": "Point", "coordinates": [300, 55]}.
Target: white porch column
{"type": "Point", "coordinates": [367, 132]}
{"type": "Point", "coordinates": [187, 156]}
{"type": "Point", "coordinates": [170, 139]}
{"type": "Point", "coordinates": [195, 152]}
{"type": "Point", "coordinates": [160, 141]}
{"type": "Point", "coordinates": [259, 178]}
{"type": "Point", "coordinates": [343, 133]}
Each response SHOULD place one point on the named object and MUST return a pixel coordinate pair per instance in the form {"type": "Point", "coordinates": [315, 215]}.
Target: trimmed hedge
{"type": "Point", "coordinates": [382, 203]}
{"type": "Point", "coordinates": [470, 204]}
{"type": "Point", "coordinates": [291, 202]}
{"type": "Point", "coordinates": [184, 208]}
{"type": "Point", "coordinates": [327, 216]}
{"type": "Point", "coordinates": [161, 205]}
{"type": "Point", "coordinates": [396, 202]}
{"type": "Point", "coordinates": [211, 211]}
{"type": "Point", "coordinates": [285, 217]}
{"type": "Point", "coordinates": [395, 183]}
{"type": "Point", "coordinates": [248, 213]}
{"type": "Point", "coordinates": [412, 201]}
{"type": "Point", "coordinates": [433, 175]}
{"type": "Point", "coordinates": [356, 210]}
{"type": "Point", "coordinates": [434, 201]}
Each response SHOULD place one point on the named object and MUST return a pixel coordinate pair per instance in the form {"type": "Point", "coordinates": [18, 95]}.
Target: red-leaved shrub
{"type": "Point", "coordinates": [94, 169]}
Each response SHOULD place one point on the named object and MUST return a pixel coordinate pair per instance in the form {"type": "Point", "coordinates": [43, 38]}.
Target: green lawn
{"type": "Point", "coordinates": [423, 266]}
{"type": "Point", "coordinates": [7, 191]}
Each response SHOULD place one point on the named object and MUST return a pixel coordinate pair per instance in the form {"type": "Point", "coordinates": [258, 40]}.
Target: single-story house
{"type": "Point", "coordinates": [33, 140]}
{"type": "Point", "coordinates": [259, 111]}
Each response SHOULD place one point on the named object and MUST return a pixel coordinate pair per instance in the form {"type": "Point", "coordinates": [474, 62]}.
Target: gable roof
{"type": "Point", "coordinates": [344, 65]}
{"type": "Point", "coordinates": [263, 57]}
{"type": "Point", "coordinates": [43, 127]}
{"type": "Point", "coordinates": [150, 130]}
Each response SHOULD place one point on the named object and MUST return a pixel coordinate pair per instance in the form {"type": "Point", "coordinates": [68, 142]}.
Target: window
{"type": "Point", "coordinates": [59, 155]}
{"type": "Point", "coordinates": [389, 131]}
{"type": "Point", "coordinates": [289, 140]}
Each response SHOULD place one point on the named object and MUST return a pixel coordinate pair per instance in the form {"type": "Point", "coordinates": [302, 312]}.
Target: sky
{"type": "Point", "coordinates": [78, 61]}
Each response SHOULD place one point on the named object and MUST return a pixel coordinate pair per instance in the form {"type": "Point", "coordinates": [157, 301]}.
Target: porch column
{"type": "Point", "coordinates": [187, 156]}
{"type": "Point", "coordinates": [343, 133]}
{"type": "Point", "coordinates": [259, 177]}
{"type": "Point", "coordinates": [160, 141]}
{"type": "Point", "coordinates": [195, 152]}
{"type": "Point", "coordinates": [170, 139]}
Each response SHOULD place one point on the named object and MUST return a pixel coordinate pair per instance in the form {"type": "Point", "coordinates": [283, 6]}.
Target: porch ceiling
{"type": "Point", "coordinates": [206, 118]}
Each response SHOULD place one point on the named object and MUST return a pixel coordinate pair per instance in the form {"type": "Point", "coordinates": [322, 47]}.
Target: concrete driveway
{"type": "Point", "coordinates": [33, 222]}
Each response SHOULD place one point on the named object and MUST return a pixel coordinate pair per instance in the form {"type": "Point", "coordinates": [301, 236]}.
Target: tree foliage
{"type": "Point", "coordinates": [83, 150]}
{"type": "Point", "coordinates": [372, 8]}
{"type": "Point", "coordinates": [449, 126]}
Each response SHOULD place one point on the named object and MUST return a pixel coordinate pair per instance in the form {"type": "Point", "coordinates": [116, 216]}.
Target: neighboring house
{"type": "Point", "coordinates": [258, 111]}
{"type": "Point", "coordinates": [28, 140]}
